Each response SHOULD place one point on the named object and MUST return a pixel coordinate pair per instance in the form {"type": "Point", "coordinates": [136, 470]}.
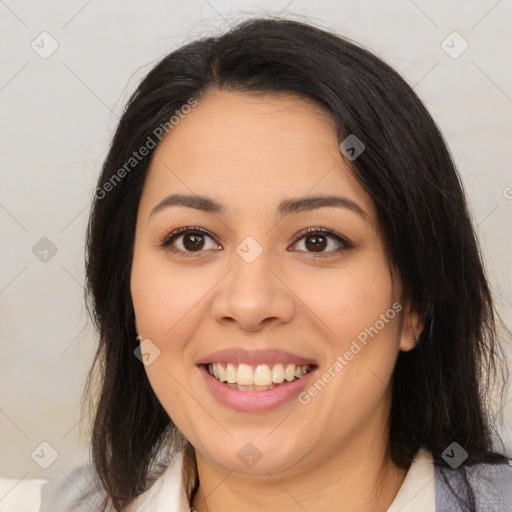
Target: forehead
{"type": "Point", "coordinates": [251, 150]}
{"type": "Point", "coordinates": [229, 124]}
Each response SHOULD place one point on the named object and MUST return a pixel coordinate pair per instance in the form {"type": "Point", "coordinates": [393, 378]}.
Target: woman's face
{"type": "Point", "coordinates": [248, 288]}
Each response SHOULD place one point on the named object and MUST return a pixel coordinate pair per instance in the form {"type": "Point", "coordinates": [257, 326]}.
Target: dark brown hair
{"type": "Point", "coordinates": [440, 388]}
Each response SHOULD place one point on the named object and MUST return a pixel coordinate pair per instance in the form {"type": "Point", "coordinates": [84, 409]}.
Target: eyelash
{"type": "Point", "coordinates": [168, 239]}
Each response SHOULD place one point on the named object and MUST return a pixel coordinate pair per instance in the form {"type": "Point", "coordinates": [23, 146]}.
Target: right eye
{"type": "Point", "coordinates": [188, 240]}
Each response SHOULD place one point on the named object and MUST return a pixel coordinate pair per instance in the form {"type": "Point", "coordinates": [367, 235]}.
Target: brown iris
{"type": "Point", "coordinates": [193, 241]}
{"type": "Point", "coordinates": [315, 242]}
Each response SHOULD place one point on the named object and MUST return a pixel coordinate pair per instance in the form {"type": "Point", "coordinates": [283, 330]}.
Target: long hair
{"type": "Point", "coordinates": [440, 389]}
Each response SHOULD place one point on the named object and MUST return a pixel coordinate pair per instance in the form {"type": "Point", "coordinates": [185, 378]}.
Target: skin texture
{"type": "Point", "coordinates": [249, 152]}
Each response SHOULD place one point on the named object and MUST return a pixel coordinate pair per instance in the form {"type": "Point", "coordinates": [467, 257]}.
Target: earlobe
{"type": "Point", "coordinates": [412, 327]}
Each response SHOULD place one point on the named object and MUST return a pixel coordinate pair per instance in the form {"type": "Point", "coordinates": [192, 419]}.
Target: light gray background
{"type": "Point", "coordinates": [57, 117]}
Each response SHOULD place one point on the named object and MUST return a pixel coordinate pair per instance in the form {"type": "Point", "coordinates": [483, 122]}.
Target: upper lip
{"type": "Point", "coordinates": [261, 356]}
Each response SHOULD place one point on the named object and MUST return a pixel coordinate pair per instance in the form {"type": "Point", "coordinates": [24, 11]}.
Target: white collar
{"type": "Point", "coordinates": [418, 490]}
{"type": "Point", "coordinates": [168, 494]}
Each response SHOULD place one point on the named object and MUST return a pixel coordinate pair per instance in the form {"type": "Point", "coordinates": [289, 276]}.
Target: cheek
{"type": "Point", "coordinates": [359, 308]}
{"type": "Point", "coordinates": [166, 303]}
{"type": "Point", "coordinates": [362, 315]}
{"type": "Point", "coordinates": [167, 307]}
{"type": "Point", "coordinates": [350, 301]}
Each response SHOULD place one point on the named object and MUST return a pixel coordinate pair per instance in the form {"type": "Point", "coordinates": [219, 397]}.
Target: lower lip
{"type": "Point", "coordinates": [255, 401]}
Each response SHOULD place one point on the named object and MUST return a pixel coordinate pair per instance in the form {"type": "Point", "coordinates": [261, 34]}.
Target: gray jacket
{"type": "Point", "coordinates": [492, 485]}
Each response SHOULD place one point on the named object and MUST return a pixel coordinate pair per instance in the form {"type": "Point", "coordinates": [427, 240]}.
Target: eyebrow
{"type": "Point", "coordinates": [286, 207]}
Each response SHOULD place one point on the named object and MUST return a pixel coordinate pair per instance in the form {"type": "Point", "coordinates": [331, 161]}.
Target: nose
{"type": "Point", "coordinates": [253, 296]}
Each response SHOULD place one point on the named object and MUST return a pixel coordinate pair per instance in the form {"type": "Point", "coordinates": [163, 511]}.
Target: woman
{"type": "Point", "coordinates": [292, 307]}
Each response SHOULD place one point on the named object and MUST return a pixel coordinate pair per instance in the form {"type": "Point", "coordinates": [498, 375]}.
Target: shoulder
{"type": "Point", "coordinates": [490, 481]}
{"type": "Point", "coordinates": [79, 490]}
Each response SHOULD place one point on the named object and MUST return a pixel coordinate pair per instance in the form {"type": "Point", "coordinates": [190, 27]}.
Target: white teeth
{"type": "Point", "coordinates": [230, 373]}
{"type": "Point", "coordinates": [243, 376]}
{"type": "Point", "coordinates": [289, 373]}
{"type": "Point", "coordinates": [251, 388]}
{"type": "Point", "coordinates": [262, 375]}
{"type": "Point", "coordinates": [278, 373]}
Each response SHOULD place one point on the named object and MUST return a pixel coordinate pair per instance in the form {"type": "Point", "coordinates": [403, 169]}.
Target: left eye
{"type": "Point", "coordinates": [317, 240]}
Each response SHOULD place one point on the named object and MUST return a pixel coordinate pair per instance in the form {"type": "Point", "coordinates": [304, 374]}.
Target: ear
{"type": "Point", "coordinates": [412, 326]}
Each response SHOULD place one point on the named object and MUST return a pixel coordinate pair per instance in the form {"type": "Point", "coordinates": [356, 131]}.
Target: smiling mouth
{"type": "Point", "coordinates": [258, 377]}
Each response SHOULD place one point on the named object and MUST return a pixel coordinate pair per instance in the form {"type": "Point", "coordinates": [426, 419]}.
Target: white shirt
{"type": "Point", "coordinates": [168, 494]}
